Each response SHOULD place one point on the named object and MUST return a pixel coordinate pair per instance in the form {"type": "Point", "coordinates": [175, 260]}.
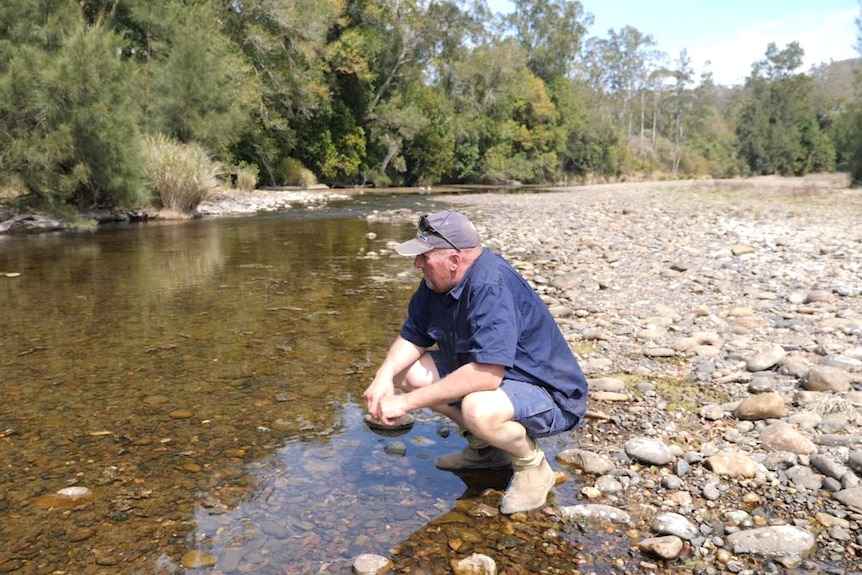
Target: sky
{"type": "Point", "coordinates": [730, 34]}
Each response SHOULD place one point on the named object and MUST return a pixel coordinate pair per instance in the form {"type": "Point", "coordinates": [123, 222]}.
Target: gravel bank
{"type": "Point", "coordinates": [720, 324]}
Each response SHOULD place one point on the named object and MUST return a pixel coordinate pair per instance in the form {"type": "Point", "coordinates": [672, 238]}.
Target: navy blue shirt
{"type": "Point", "coordinates": [494, 316]}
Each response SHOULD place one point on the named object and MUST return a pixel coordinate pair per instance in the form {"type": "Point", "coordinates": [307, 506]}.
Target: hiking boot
{"type": "Point", "coordinates": [528, 489]}
{"type": "Point", "coordinates": [471, 458]}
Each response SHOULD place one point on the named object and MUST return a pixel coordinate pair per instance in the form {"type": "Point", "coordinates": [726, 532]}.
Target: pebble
{"type": "Point", "coordinates": [197, 559]}
{"type": "Point", "coordinates": [371, 564]}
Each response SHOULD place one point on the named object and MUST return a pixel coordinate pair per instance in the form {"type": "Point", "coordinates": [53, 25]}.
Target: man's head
{"type": "Point", "coordinates": [445, 246]}
{"type": "Point", "coordinates": [446, 230]}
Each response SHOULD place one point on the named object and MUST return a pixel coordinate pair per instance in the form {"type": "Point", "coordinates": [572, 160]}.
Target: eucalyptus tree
{"type": "Point", "coordinates": [507, 126]}
{"type": "Point", "coordinates": [386, 51]}
{"type": "Point", "coordinates": [619, 67]}
{"type": "Point", "coordinates": [551, 33]}
{"type": "Point", "coordinates": [847, 128]}
{"type": "Point", "coordinates": [287, 44]}
{"type": "Point", "coordinates": [681, 104]}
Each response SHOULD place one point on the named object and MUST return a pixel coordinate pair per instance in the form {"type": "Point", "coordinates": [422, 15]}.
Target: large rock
{"type": "Point", "coordinates": [826, 378]}
{"type": "Point", "coordinates": [761, 406]}
{"type": "Point", "coordinates": [783, 543]}
{"type": "Point", "coordinates": [732, 464]}
{"type": "Point", "coordinates": [781, 436]}
{"type": "Point", "coordinates": [650, 451]}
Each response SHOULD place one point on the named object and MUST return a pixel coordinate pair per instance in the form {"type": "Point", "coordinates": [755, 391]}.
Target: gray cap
{"type": "Point", "coordinates": [441, 230]}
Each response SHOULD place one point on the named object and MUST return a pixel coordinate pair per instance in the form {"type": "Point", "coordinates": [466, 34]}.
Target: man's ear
{"type": "Point", "coordinates": [455, 259]}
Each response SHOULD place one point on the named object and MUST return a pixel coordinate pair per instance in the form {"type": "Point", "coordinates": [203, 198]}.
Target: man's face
{"type": "Point", "coordinates": [438, 268]}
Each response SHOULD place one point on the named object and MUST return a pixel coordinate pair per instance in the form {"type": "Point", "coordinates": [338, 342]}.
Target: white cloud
{"type": "Point", "coordinates": [824, 38]}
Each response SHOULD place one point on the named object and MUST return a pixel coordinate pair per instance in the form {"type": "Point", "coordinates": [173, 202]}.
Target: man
{"type": "Point", "coordinates": [502, 369]}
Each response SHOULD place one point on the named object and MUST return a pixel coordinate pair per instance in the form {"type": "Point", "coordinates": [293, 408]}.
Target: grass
{"type": "Point", "coordinates": [179, 176]}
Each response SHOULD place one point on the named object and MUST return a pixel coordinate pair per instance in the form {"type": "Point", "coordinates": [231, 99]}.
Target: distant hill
{"type": "Point", "coordinates": [836, 81]}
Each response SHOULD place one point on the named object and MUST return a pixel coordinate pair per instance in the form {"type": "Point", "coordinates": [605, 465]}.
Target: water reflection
{"type": "Point", "coordinates": [202, 380]}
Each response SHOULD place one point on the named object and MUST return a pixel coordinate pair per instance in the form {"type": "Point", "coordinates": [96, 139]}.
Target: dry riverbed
{"type": "Point", "coordinates": [720, 324]}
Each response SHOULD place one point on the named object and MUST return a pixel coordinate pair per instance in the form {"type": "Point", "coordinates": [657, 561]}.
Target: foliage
{"type": "Point", "coordinates": [778, 130]}
{"type": "Point", "coordinates": [246, 177]}
{"type": "Point", "coordinates": [407, 93]}
{"type": "Point", "coordinates": [295, 174]}
{"type": "Point", "coordinates": [69, 121]}
{"type": "Point", "coordinates": [179, 176]}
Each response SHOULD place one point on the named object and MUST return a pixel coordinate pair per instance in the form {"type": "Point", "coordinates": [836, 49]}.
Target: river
{"type": "Point", "coordinates": [200, 384]}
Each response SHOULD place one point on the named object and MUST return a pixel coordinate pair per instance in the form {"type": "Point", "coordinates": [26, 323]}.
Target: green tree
{"type": "Point", "coordinates": [778, 129]}
{"type": "Point", "coordinates": [69, 120]}
{"type": "Point", "coordinates": [296, 65]}
{"type": "Point", "coordinates": [847, 129]}
{"type": "Point", "coordinates": [202, 90]}
{"type": "Point", "coordinates": [551, 32]}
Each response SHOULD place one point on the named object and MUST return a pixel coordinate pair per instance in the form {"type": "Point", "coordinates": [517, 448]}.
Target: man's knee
{"type": "Point", "coordinates": [486, 408]}
{"type": "Point", "coordinates": [422, 373]}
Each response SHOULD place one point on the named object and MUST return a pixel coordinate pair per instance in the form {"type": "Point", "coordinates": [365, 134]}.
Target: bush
{"type": "Point", "coordinates": [246, 177]}
{"type": "Point", "coordinates": [295, 174]}
{"type": "Point", "coordinates": [179, 176]}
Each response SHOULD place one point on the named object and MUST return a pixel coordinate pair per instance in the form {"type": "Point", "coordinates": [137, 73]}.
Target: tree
{"type": "Point", "coordinates": [69, 120]}
{"type": "Point", "coordinates": [551, 32]}
{"type": "Point", "coordinates": [202, 90]}
{"type": "Point", "coordinates": [778, 129]}
{"type": "Point", "coordinates": [296, 65]}
{"type": "Point", "coordinates": [681, 105]}
{"type": "Point", "coordinates": [848, 129]}
{"type": "Point", "coordinates": [619, 67]}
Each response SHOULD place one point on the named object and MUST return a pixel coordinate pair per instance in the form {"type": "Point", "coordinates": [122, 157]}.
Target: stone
{"type": "Point", "coordinates": [850, 497]}
{"type": "Point", "coordinates": [781, 436]}
{"type": "Point", "coordinates": [650, 451]}
{"type": "Point", "coordinates": [761, 406]}
{"type": "Point", "coordinates": [765, 357]}
{"type": "Point", "coordinates": [783, 543]}
{"type": "Point", "coordinates": [668, 547]}
{"type": "Point", "coordinates": [370, 564]}
{"type": "Point", "coordinates": [675, 524]}
{"type": "Point", "coordinates": [826, 378]}
{"type": "Point", "coordinates": [197, 559]}
{"type": "Point", "coordinates": [732, 464]}
{"type": "Point", "coordinates": [475, 564]}
{"type": "Point", "coordinates": [586, 461]}
{"type": "Point", "coordinates": [595, 514]}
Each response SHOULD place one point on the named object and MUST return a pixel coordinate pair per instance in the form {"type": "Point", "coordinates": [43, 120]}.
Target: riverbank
{"type": "Point", "coordinates": [720, 325]}
{"type": "Point", "coordinates": [718, 322]}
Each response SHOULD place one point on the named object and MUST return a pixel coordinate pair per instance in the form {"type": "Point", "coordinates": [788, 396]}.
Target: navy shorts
{"type": "Point", "coordinates": [535, 409]}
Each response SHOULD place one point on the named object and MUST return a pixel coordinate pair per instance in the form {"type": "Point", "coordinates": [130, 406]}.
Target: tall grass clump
{"type": "Point", "coordinates": [179, 176]}
{"type": "Point", "coordinates": [246, 177]}
{"type": "Point", "coordinates": [295, 174]}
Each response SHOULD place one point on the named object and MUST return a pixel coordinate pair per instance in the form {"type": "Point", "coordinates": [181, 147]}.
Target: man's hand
{"type": "Point", "coordinates": [379, 389]}
{"type": "Point", "coordinates": [392, 408]}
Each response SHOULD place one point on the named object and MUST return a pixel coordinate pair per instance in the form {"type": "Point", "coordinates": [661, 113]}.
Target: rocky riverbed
{"type": "Point", "coordinates": [720, 325]}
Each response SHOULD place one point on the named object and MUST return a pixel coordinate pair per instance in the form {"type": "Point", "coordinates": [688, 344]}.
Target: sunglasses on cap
{"type": "Point", "coordinates": [425, 227]}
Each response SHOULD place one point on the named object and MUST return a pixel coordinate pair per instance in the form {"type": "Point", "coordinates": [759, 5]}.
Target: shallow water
{"type": "Point", "coordinates": [202, 380]}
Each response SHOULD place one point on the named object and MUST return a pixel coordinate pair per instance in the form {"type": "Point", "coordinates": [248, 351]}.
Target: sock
{"type": "Point", "coordinates": [530, 461]}
{"type": "Point", "coordinates": [472, 440]}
